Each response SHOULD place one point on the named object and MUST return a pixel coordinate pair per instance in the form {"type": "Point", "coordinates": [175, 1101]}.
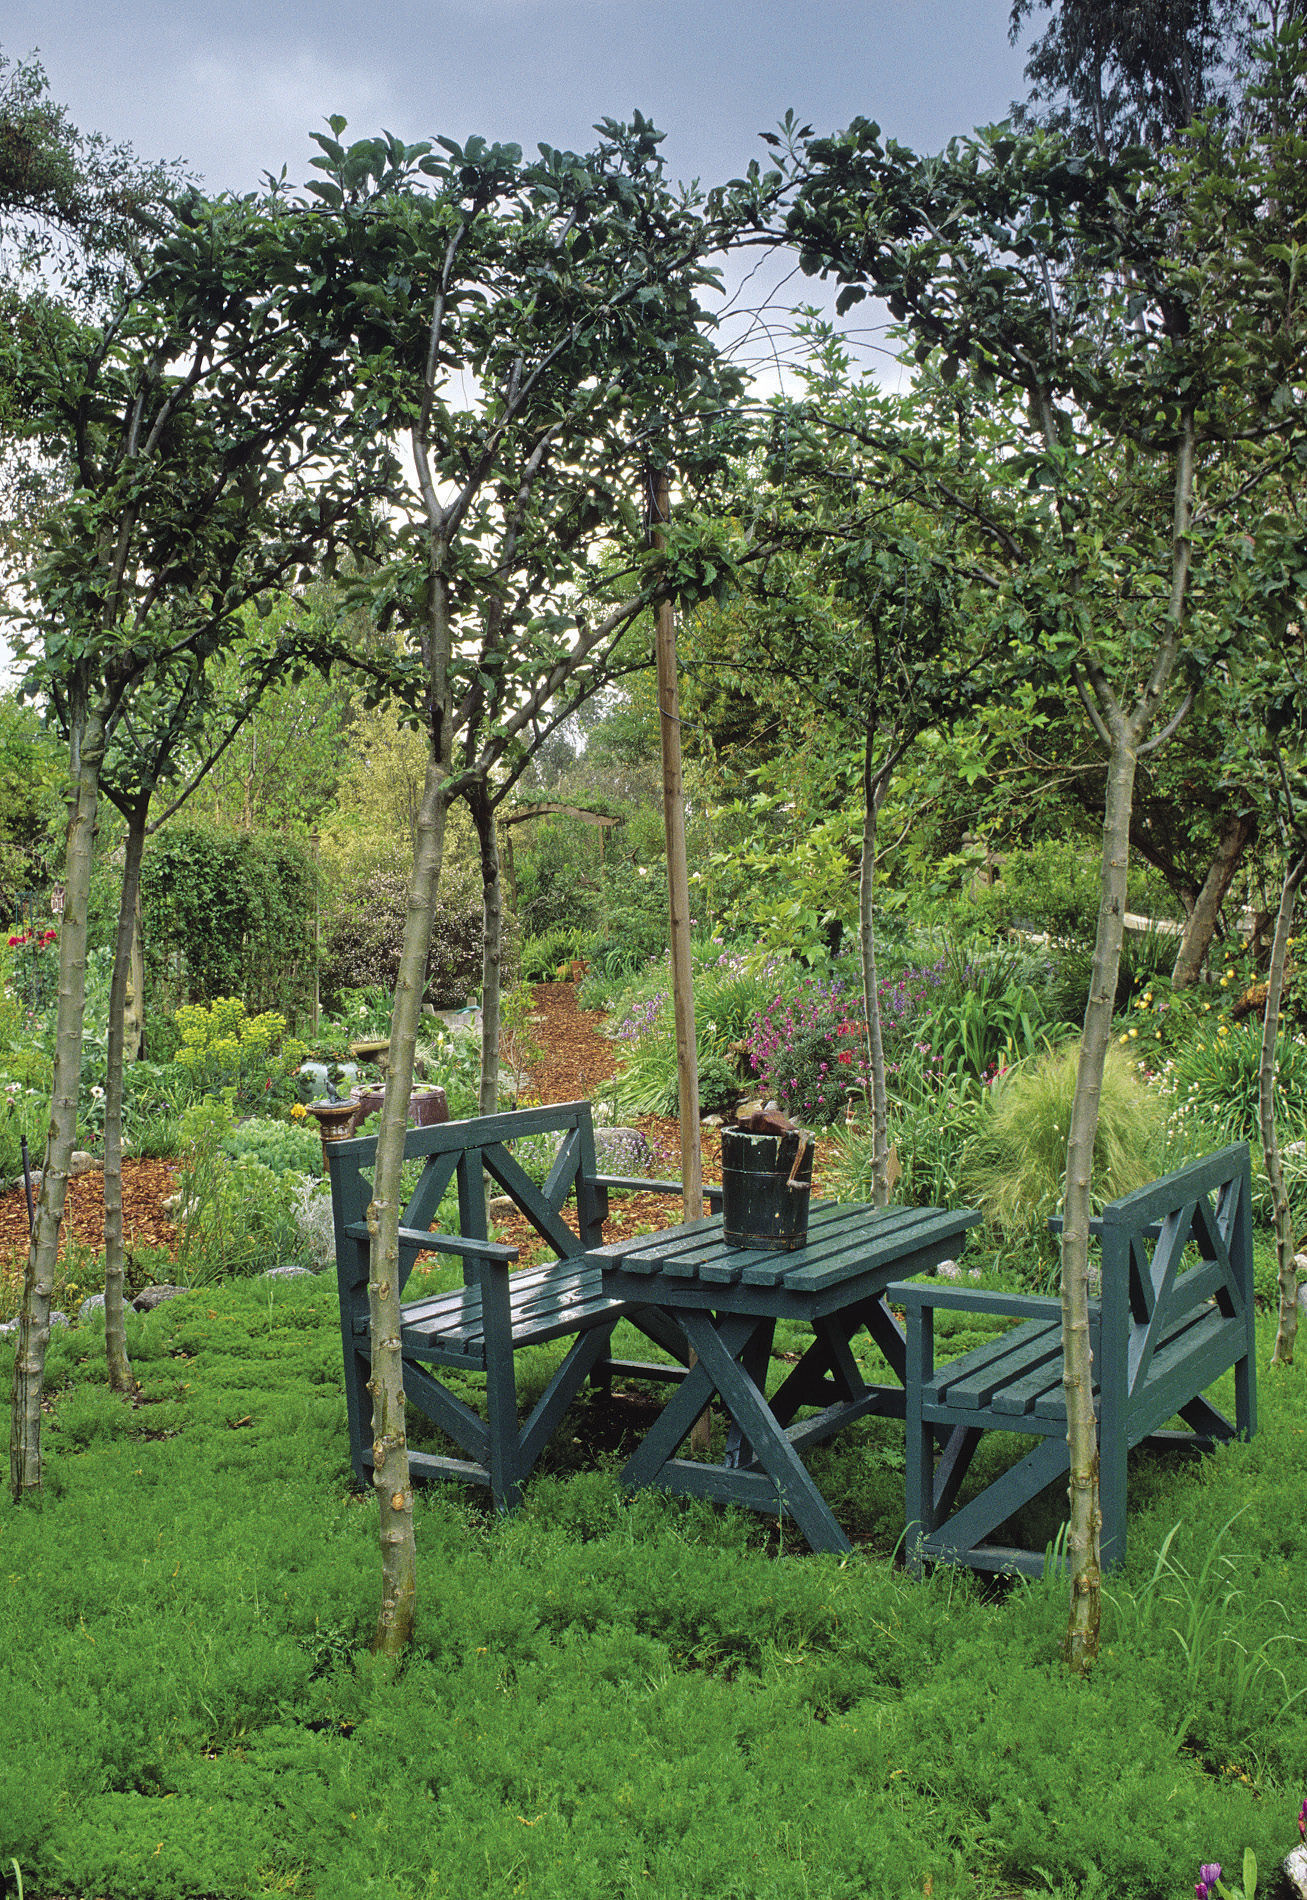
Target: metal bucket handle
{"type": "Point", "coordinates": [800, 1187]}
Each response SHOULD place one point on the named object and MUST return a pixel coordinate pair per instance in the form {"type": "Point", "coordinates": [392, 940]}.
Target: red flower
{"type": "Point", "coordinates": [845, 1055]}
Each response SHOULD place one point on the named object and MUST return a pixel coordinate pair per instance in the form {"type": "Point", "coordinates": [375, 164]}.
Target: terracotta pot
{"type": "Point", "coordinates": [426, 1106]}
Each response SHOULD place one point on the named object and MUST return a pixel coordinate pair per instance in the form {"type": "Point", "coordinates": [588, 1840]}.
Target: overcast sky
{"type": "Point", "coordinates": [234, 87]}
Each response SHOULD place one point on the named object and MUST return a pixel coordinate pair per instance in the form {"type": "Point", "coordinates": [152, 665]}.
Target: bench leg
{"type": "Point", "coordinates": [358, 1412]}
{"type": "Point", "coordinates": [1112, 1460]}
{"type": "Point", "coordinates": [501, 1418]}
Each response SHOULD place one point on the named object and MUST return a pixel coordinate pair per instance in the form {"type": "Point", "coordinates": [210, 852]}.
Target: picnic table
{"type": "Point", "coordinates": [728, 1300]}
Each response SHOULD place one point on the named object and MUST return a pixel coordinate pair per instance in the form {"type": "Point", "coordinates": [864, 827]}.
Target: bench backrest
{"type": "Point", "coordinates": [1179, 1248]}
{"type": "Point", "coordinates": [470, 1152]}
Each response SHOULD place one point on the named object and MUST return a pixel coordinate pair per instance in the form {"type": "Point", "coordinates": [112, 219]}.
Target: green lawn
{"type": "Point", "coordinates": [607, 1698]}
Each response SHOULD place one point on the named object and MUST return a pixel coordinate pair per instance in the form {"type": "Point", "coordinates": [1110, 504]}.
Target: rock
{"type": "Point", "coordinates": [285, 1273]}
{"type": "Point", "coordinates": [7, 1327]}
{"type": "Point", "coordinates": [173, 1204]}
{"type": "Point", "coordinates": [502, 1204]}
{"type": "Point", "coordinates": [622, 1151]}
{"type": "Point", "coordinates": [81, 1163]}
{"type": "Point", "coordinates": [152, 1296]}
{"type": "Point", "coordinates": [1295, 1867]}
{"type": "Point", "coordinates": [712, 1121]}
{"type": "Point", "coordinates": [93, 1303]}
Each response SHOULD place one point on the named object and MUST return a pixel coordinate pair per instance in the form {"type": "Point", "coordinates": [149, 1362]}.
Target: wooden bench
{"type": "Point", "coordinates": [480, 1326]}
{"type": "Point", "coordinates": [1175, 1313]}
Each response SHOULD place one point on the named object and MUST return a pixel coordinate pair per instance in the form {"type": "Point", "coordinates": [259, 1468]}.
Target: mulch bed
{"type": "Point", "coordinates": [578, 1062]}
{"type": "Point", "coordinates": [146, 1186]}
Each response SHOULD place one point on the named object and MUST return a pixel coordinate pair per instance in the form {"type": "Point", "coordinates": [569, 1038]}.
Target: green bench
{"type": "Point", "coordinates": [1175, 1313]}
{"type": "Point", "coordinates": [480, 1326]}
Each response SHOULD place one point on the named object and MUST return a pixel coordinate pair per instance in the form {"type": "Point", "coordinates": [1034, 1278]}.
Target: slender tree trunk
{"type": "Point", "coordinates": [115, 1327]}
{"type": "Point", "coordinates": [873, 790]}
{"type": "Point", "coordinates": [492, 944]}
{"type": "Point", "coordinates": [391, 1474]}
{"type": "Point", "coordinates": [1287, 1273]}
{"type": "Point", "coordinates": [678, 881]}
{"type": "Point", "coordinates": [87, 752]}
{"type": "Point", "coordinates": [389, 1431]}
{"type": "Point", "coordinates": [1237, 833]}
{"type": "Point", "coordinates": [1123, 736]}
{"type": "Point", "coordinates": [1083, 1544]}
{"type": "Point", "coordinates": [134, 1006]}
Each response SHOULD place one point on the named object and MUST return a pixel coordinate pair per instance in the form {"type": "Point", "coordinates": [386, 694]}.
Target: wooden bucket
{"type": "Point", "coordinates": [766, 1189]}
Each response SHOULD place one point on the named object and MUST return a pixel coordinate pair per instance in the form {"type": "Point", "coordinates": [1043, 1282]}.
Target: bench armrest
{"type": "Point", "coordinates": [914, 1295]}
{"type": "Point", "coordinates": [492, 1250]}
{"type": "Point", "coordinates": [638, 1184]}
{"type": "Point", "coordinates": [635, 1184]}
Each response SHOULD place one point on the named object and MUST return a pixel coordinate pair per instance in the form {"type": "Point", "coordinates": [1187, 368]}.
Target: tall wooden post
{"type": "Point", "coordinates": [678, 880]}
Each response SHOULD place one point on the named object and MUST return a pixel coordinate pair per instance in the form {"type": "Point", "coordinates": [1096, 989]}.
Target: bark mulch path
{"type": "Point", "coordinates": [577, 1063]}
{"type": "Point", "coordinates": [146, 1186]}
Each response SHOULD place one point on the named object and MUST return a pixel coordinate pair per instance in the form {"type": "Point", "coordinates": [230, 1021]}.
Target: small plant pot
{"type": "Point", "coordinates": [335, 1119]}
{"type": "Point", "coordinates": [766, 1189]}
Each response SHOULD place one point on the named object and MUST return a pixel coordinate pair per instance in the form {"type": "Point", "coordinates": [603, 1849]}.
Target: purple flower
{"type": "Point", "coordinates": [1302, 1820]}
{"type": "Point", "coordinates": [1208, 1875]}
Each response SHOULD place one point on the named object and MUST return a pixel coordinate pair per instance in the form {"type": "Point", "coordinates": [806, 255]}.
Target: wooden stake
{"type": "Point", "coordinates": [678, 881]}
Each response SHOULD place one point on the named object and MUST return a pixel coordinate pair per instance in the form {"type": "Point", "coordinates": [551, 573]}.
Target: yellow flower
{"type": "Point", "coordinates": [298, 1112]}
{"type": "Point", "coordinates": [1134, 1032]}
{"type": "Point", "coordinates": [1123, 1038]}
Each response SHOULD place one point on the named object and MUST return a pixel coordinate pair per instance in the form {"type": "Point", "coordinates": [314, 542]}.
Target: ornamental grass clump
{"type": "Point", "coordinates": [1015, 1165]}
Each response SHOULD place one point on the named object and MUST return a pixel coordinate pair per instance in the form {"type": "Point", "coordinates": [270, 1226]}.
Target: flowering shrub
{"type": "Point", "coordinates": [731, 987]}
{"type": "Point", "coordinates": [251, 1058]}
{"type": "Point", "coordinates": [807, 1050]}
{"type": "Point", "coordinates": [32, 963]}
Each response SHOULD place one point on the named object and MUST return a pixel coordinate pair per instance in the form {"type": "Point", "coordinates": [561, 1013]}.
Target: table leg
{"type": "Point", "coordinates": [756, 1360]}
{"type": "Point", "coordinates": [796, 1492]}
{"type": "Point", "coordinates": [676, 1420]}
{"type": "Point", "coordinates": [828, 1356]}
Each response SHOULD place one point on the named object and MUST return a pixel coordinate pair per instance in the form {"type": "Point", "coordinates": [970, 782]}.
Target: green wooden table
{"type": "Point", "coordinates": [728, 1301]}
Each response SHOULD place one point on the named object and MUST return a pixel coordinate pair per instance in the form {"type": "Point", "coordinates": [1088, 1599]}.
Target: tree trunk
{"type": "Point", "coordinates": [1237, 833]}
{"type": "Point", "coordinates": [134, 1006]}
{"type": "Point", "coordinates": [678, 881]}
{"type": "Point", "coordinates": [115, 1328]}
{"type": "Point", "coordinates": [1287, 1273]}
{"type": "Point", "coordinates": [873, 790]}
{"type": "Point", "coordinates": [389, 1432]}
{"type": "Point", "coordinates": [492, 912]}
{"type": "Point", "coordinates": [87, 752]}
{"type": "Point", "coordinates": [1083, 1546]}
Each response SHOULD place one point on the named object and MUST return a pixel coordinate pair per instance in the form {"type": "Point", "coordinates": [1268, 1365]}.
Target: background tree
{"type": "Point", "coordinates": [537, 331]}
{"type": "Point", "coordinates": [209, 428]}
{"type": "Point", "coordinates": [1108, 74]}
{"type": "Point", "coordinates": [1090, 293]}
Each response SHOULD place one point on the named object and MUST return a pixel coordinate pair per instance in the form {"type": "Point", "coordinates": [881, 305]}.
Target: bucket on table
{"type": "Point", "coordinates": [766, 1183]}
